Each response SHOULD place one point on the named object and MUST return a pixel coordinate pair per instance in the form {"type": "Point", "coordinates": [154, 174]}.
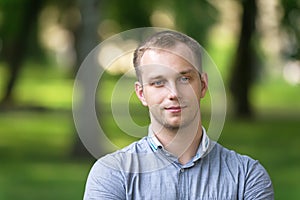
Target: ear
{"type": "Point", "coordinates": [204, 84]}
{"type": "Point", "coordinates": [139, 90]}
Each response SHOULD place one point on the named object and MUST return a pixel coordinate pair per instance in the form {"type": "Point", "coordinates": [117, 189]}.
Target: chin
{"type": "Point", "coordinates": [174, 125]}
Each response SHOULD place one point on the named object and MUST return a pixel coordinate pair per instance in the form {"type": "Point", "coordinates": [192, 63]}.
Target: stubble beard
{"type": "Point", "coordinates": [175, 128]}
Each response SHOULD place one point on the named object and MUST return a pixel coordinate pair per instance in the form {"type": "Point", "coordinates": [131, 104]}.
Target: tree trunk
{"type": "Point", "coordinates": [86, 39]}
{"type": "Point", "coordinates": [15, 47]}
{"type": "Point", "coordinates": [243, 66]}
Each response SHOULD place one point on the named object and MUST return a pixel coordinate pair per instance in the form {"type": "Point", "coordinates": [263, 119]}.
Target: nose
{"type": "Point", "coordinates": [173, 92]}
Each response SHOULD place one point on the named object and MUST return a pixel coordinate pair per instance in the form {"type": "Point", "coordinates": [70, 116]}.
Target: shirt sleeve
{"type": "Point", "coordinates": [104, 182]}
{"type": "Point", "coordinates": [258, 183]}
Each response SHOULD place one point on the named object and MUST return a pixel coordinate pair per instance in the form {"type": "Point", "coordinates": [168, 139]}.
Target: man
{"type": "Point", "coordinates": [176, 160]}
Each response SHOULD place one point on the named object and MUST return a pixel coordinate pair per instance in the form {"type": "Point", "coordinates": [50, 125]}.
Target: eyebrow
{"type": "Point", "coordinates": [155, 77]}
{"type": "Point", "coordinates": [188, 71]}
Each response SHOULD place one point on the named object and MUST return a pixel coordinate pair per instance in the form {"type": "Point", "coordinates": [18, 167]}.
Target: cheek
{"type": "Point", "coordinates": [192, 93]}
{"type": "Point", "coordinates": [154, 96]}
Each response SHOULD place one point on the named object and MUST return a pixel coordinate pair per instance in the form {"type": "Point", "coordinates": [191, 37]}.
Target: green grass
{"type": "Point", "coordinates": [276, 95]}
{"type": "Point", "coordinates": [35, 157]}
{"type": "Point", "coordinates": [43, 179]}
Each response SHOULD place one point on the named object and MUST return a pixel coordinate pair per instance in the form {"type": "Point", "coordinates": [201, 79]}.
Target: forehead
{"type": "Point", "coordinates": [157, 64]}
{"type": "Point", "coordinates": [179, 49]}
{"type": "Point", "coordinates": [176, 58]}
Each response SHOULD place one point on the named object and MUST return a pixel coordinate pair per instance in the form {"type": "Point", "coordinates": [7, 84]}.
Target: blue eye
{"type": "Point", "coordinates": [184, 79]}
{"type": "Point", "coordinates": [158, 83]}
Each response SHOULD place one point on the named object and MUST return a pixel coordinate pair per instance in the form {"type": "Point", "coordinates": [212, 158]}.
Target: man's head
{"type": "Point", "coordinates": [168, 40]}
{"type": "Point", "coordinates": [171, 82]}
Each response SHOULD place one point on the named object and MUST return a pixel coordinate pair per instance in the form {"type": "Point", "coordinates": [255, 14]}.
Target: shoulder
{"type": "Point", "coordinates": [124, 158]}
{"type": "Point", "coordinates": [232, 158]}
{"type": "Point", "coordinates": [106, 178]}
{"type": "Point", "coordinates": [248, 172]}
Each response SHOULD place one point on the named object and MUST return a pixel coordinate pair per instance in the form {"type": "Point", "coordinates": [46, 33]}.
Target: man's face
{"type": "Point", "coordinates": [172, 87]}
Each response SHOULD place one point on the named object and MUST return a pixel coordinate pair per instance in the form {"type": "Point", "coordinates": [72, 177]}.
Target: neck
{"type": "Point", "coordinates": [182, 142]}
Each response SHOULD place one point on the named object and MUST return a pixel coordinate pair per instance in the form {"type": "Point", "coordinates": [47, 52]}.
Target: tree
{"type": "Point", "coordinates": [86, 39]}
{"type": "Point", "coordinates": [244, 62]}
{"type": "Point", "coordinates": [130, 14]}
{"type": "Point", "coordinates": [16, 30]}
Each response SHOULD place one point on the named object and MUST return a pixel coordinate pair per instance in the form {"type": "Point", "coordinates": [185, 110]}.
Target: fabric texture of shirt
{"type": "Point", "coordinates": [145, 170]}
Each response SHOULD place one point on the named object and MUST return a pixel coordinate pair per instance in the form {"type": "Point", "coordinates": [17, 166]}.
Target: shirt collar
{"type": "Point", "coordinates": [202, 149]}
{"type": "Point", "coordinates": [153, 141]}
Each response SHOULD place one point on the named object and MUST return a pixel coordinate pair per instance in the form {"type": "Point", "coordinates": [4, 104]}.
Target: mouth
{"type": "Point", "coordinates": [175, 109]}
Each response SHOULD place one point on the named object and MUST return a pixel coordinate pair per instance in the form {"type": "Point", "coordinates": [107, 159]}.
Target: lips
{"type": "Point", "coordinates": [174, 109]}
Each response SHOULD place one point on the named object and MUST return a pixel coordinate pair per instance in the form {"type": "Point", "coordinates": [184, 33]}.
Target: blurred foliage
{"type": "Point", "coordinates": [291, 24]}
{"type": "Point", "coordinates": [196, 18]}
{"type": "Point", "coordinates": [12, 26]}
{"type": "Point", "coordinates": [128, 14]}
{"type": "Point", "coordinates": [193, 18]}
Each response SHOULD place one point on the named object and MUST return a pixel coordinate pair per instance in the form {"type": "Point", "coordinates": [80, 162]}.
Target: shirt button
{"type": "Point", "coordinates": [181, 170]}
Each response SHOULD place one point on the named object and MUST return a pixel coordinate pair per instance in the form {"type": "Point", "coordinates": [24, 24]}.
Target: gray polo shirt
{"type": "Point", "coordinates": [145, 170]}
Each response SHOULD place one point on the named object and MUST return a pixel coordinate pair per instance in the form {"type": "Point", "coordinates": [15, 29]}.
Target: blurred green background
{"type": "Point", "coordinates": [255, 44]}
